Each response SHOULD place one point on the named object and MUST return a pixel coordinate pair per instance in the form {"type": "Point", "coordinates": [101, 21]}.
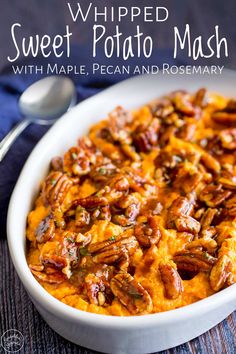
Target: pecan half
{"type": "Point", "coordinates": [82, 217]}
{"type": "Point", "coordinates": [168, 159]}
{"type": "Point", "coordinates": [179, 218]}
{"type": "Point", "coordinates": [89, 202]}
{"type": "Point", "coordinates": [130, 152]}
{"type": "Point", "coordinates": [45, 230]}
{"type": "Point", "coordinates": [135, 180]}
{"type": "Point", "coordinates": [119, 183]}
{"type": "Point", "coordinates": [194, 261]}
{"type": "Point", "coordinates": [183, 104]}
{"type": "Point", "coordinates": [165, 134]}
{"type": "Point", "coordinates": [118, 120]}
{"type": "Point", "coordinates": [128, 210]}
{"type": "Point", "coordinates": [231, 106]}
{"type": "Point", "coordinates": [214, 195]}
{"type": "Point", "coordinates": [225, 118]}
{"type": "Point", "coordinates": [101, 213]}
{"type": "Point", "coordinates": [55, 277]}
{"type": "Point", "coordinates": [114, 250]}
{"type": "Point", "coordinates": [210, 162]}
{"type": "Point", "coordinates": [186, 180]}
{"type": "Point", "coordinates": [78, 160]}
{"type": "Point", "coordinates": [64, 255]}
{"type": "Point", "coordinates": [57, 164]}
{"type": "Point", "coordinates": [187, 224]}
{"type": "Point", "coordinates": [208, 217]}
{"type": "Point", "coordinates": [171, 280]}
{"type": "Point", "coordinates": [117, 187]}
{"type": "Point", "coordinates": [71, 249]}
{"type": "Point", "coordinates": [228, 138]}
{"type": "Point", "coordinates": [207, 244]}
{"type": "Point", "coordinates": [187, 132]}
{"type": "Point", "coordinates": [226, 115]}
{"type": "Point", "coordinates": [228, 180]}
{"type": "Point", "coordinates": [98, 290]}
{"type": "Point", "coordinates": [89, 209]}
{"type": "Point", "coordinates": [128, 218]}
{"type": "Point", "coordinates": [131, 294]}
{"type": "Point", "coordinates": [230, 205]}
{"type": "Point", "coordinates": [149, 233]}
{"type": "Point", "coordinates": [161, 107]}
{"type": "Point", "coordinates": [145, 137]}
{"type": "Point", "coordinates": [56, 187]}
{"type": "Point", "coordinates": [181, 206]}
{"type": "Point", "coordinates": [220, 273]}
{"type": "Point", "coordinates": [104, 171]}
{"type": "Point", "coordinates": [36, 267]}
{"type": "Point", "coordinates": [200, 97]}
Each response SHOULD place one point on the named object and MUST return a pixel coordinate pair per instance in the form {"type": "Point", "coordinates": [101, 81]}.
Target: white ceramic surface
{"type": "Point", "coordinates": [130, 335]}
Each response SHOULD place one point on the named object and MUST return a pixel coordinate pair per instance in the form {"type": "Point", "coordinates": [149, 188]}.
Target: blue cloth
{"type": "Point", "coordinates": [11, 87]}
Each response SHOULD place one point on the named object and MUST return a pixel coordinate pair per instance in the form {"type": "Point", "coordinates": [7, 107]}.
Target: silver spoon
{"type": "Point", "coordinates": [42, 103]}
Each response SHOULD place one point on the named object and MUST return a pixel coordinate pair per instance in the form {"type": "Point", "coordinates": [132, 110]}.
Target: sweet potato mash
{"type": "Point", "coordinates": [139, 216]}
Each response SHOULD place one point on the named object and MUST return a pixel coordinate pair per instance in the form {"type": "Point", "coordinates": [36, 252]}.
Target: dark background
{"type": "Point", "coordinates": [50, 17]}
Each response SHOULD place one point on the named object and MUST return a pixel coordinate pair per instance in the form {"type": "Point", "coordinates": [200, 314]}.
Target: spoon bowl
{"type": "Point", "coordinates": [43, 103]}
{"type": "Point", "coordinates": [47, 99]}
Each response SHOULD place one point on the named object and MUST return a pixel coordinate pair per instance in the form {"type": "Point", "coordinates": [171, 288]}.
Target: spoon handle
{"type": "Point", "coordinates": [9, 139]}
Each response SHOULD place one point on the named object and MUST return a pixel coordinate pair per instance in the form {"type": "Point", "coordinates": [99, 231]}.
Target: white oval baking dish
{"type": "Point", "coordinates": [130, 335]}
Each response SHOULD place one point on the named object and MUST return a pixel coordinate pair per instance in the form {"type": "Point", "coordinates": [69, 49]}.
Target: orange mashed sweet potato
{"type": "Point", "coordinates": [139, 216]}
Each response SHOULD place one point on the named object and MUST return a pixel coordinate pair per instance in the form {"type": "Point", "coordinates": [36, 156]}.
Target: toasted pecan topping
{"type": "Point", "coordinates": [230, 205]}
{"type": "Point", "coordinates": [118, 120]}
{"type": "Point", "coordinates": [55, 188]}
{"type": "Point", "coordinates": [203, 244]}
{"type": "Point", "coordinates": [220, 273]}
{"type": "Point", "coordinates": [55, 278]}
{"type": "Point", "coordinates": [179, 218]}
{"type": "Point", "coordinates": [114, 250]}
{"type": "Point", "coordinates": [181, 206]}
{"type": "Point", "coordinates": [127, 209]}
{"type": "Point", "coordinates": [149, 233]}
{"type": "Point", "coordinates": [82, 216]}
{"type": "Point", "coordinates": [79, 159]}
{"type": "Point", "coordinates": [36, 267]}
{"type": "Point", "coordinates": [199, 97]}
{"type": "Point", "coordinates": [98, 290]}
{"type": "Point", "coordinates": [183, 104]}
{"type": "Point", "coordinates": [208, 217]}
{"type": "Point", "coordinates": [57, 164]}
{"type": "Point", "coordinates": [214, 195]}
{"type": "Point", "coordinates": [146, 137]}
{"type": "Point", "coordinates": [210, 162]}
{"type": "Point", "coordinates": [50, 276]}
{"type": "Point", "coordinates": [225, 118]}
{"type": "Point", "coordinates": [171, 280]}
{"type": "Point", "coordinates": [228, 138]}
{"type": "Point", "coordinates": [102, 172]}
{"type": "Point", "coordinates": [131, 294]}
{"type": "Point", "coordinates": [194, 261]}
{"type": "Point", "coordinates": [227, 180]}
{"type": "Point", "coordinates": [227, 115]}
{"type": "Point", "coordinates": [45, 229]}
{"type": "Point", "coordinates": [187, 224]}
{"type": "Point", "coordinates": [147, 196]}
